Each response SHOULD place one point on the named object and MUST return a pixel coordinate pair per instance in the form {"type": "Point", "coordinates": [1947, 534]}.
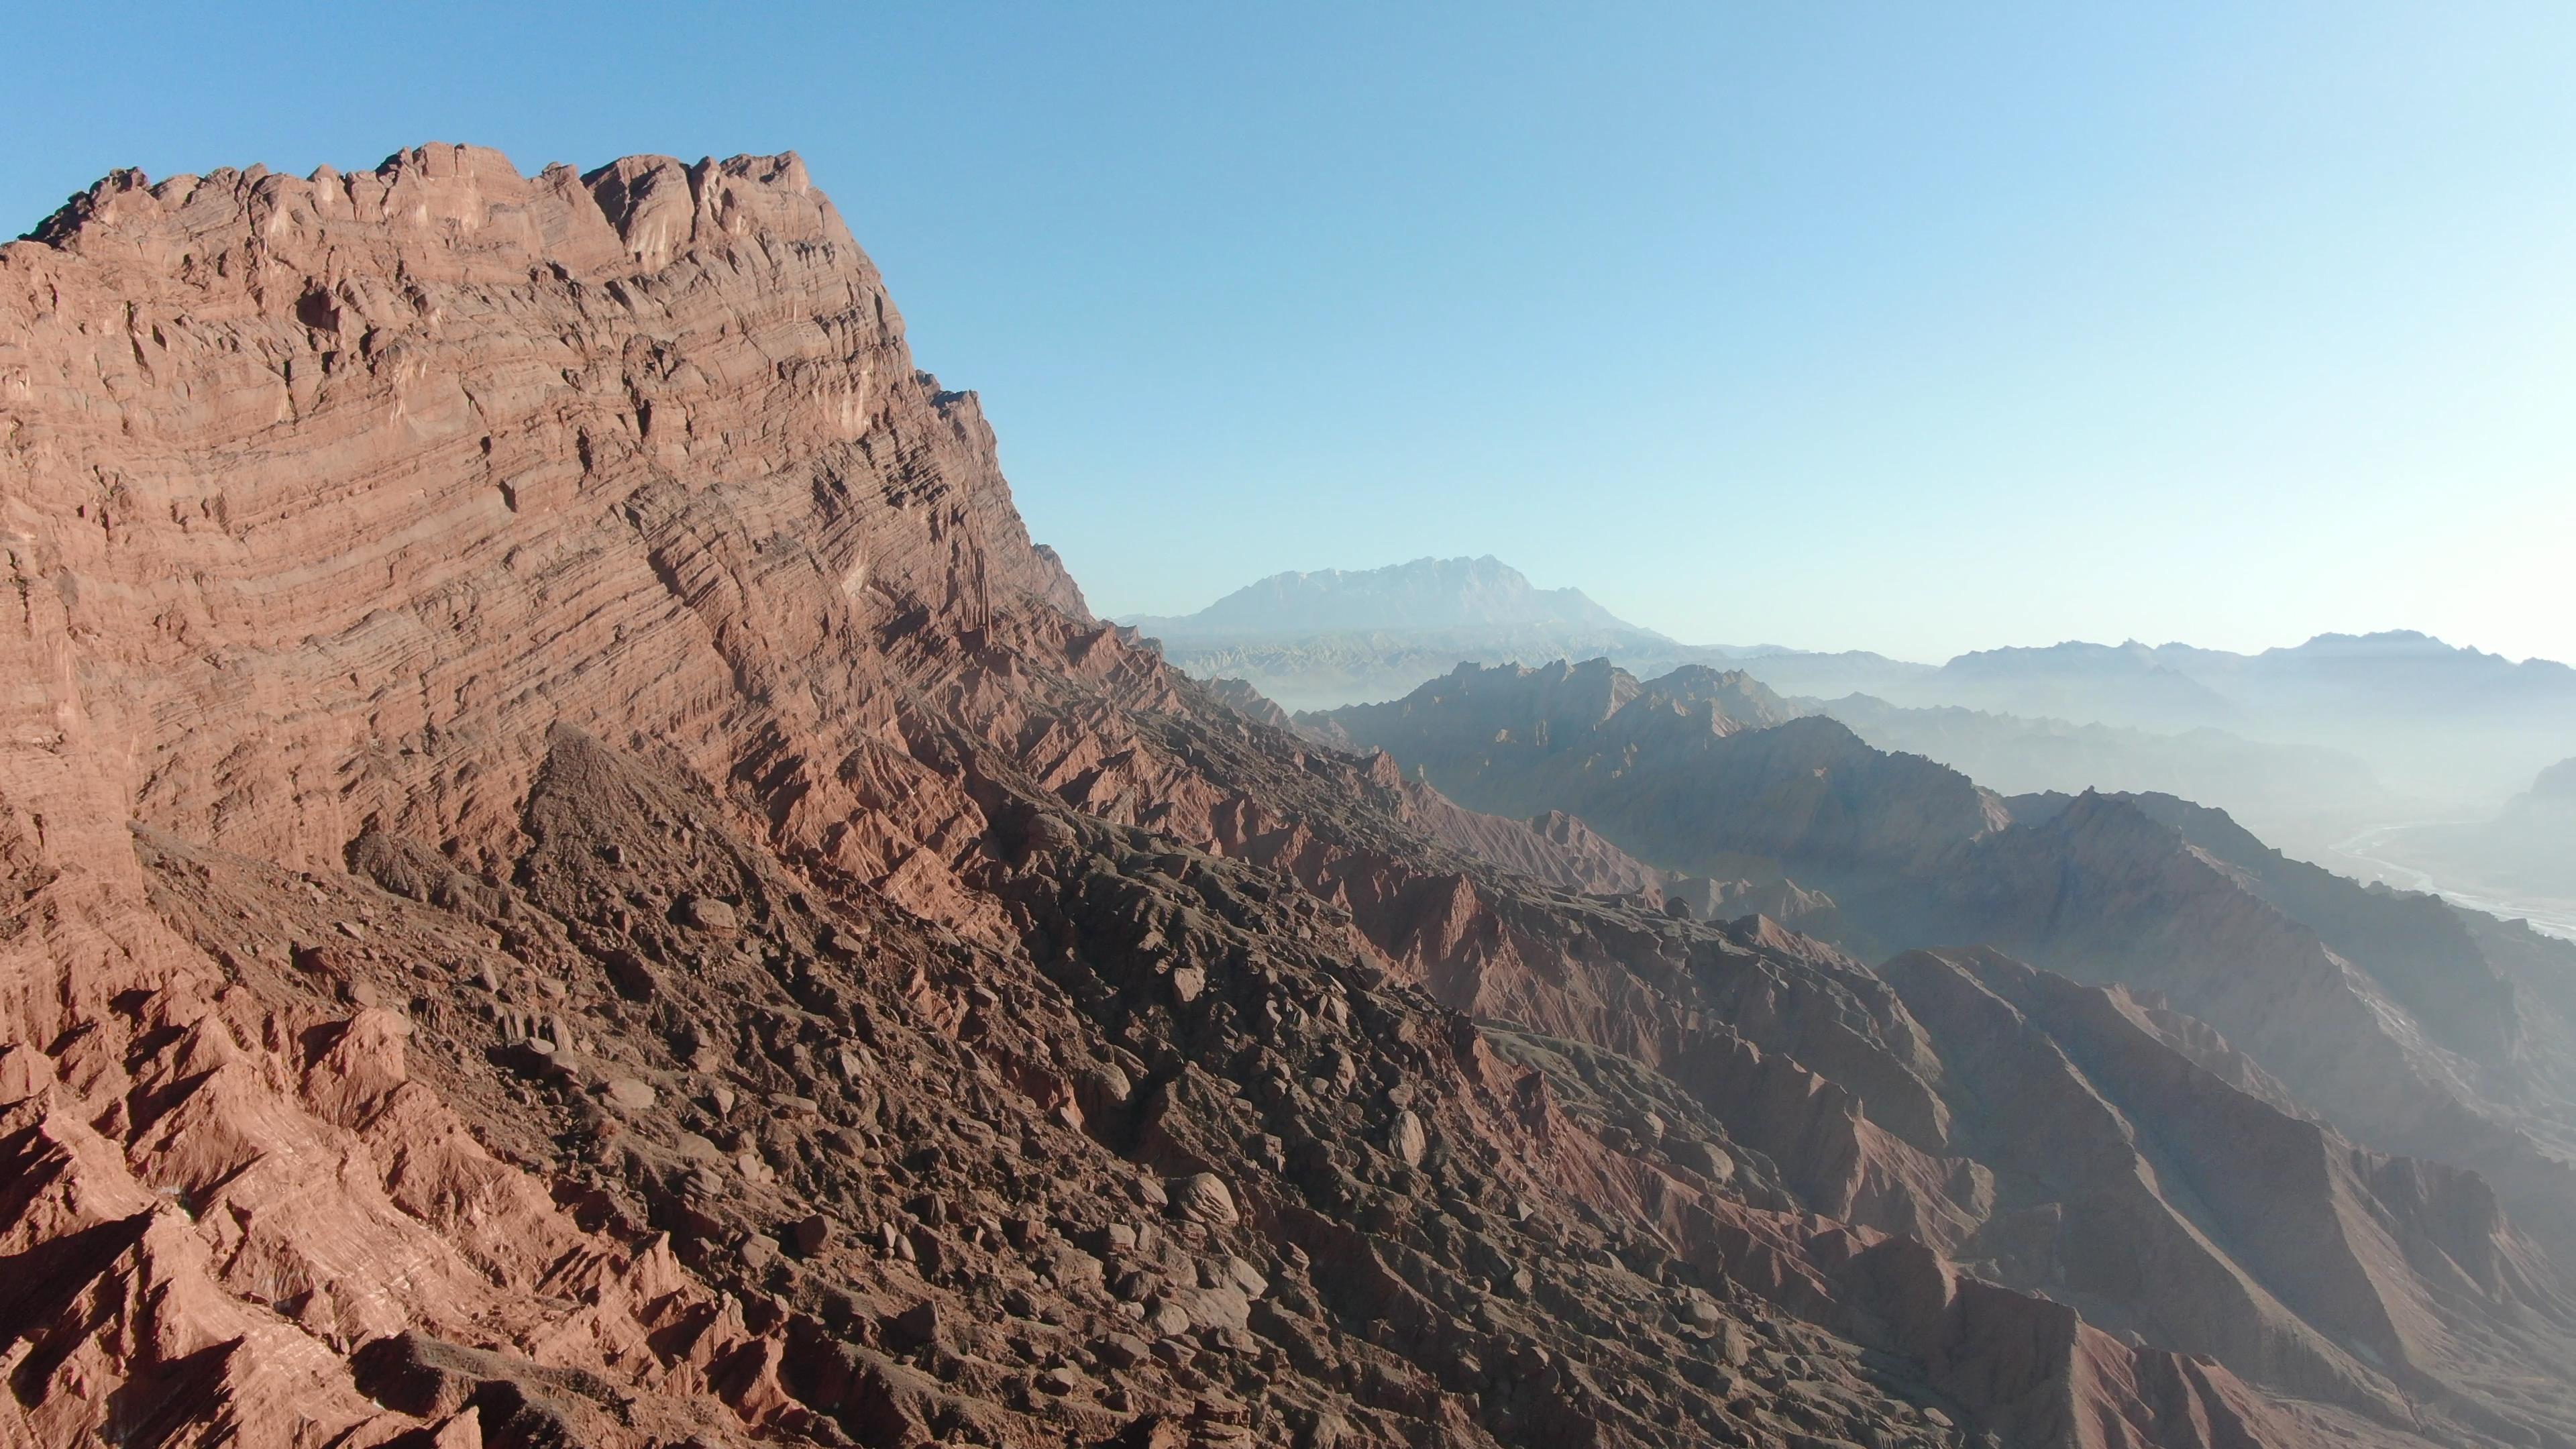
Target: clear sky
{"type": "Point", "coordinates": [1916, 328]}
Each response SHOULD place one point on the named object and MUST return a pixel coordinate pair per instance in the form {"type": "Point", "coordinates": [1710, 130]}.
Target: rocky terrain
{"type": "Point", "coordinates": [572, 876]}
{"type": "Point", "coordinates": [2436, 1036]}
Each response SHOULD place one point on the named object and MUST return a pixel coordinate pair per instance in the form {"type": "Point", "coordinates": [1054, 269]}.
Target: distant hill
{"type": "Point", "coordinates": [1426, 594]}
{"type": "Point", "coordinates": [2314, 740]}
{"type": "Point", "coordinates": [2431, 719]}
{"type": "Point", "coordinates": [2396, 671]}
{"type": "Point", "coordinates": [2390, 676]}
{"type": "Point", "coordinates": [1333, 637]}
{"type": "Point", "coordinates": [2114, 684]}
{"type": "Point", "coordinates": [2298, 795]}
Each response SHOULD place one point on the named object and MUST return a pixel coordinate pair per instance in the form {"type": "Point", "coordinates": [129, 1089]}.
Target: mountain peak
{"type": "Point", "coordinates": [1425, 593]}
{"type": "Point", "coordinates": [2377, 643]}
{"type": "Point", "coordinates": [2558, 782]}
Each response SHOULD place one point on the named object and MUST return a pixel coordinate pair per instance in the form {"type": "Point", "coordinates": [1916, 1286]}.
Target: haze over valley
{"type": "Point", "coordinates": [2342, 741]}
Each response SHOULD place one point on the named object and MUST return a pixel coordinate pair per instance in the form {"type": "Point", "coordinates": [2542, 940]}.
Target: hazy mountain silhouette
{"type": "Point", "coordinates": [2430, 718]}
{"type": "Point", "coordinates": [1428, 593]}
{"type": "Point", "coordinates": [2313, 740]}
{"type": "Point", "coordinates": [1334, 637]}
{"type": "Point", "coordinates": [2306, 796]}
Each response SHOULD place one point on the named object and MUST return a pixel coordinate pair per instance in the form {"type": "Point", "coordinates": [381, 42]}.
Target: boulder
{"type": "Point", "coordinates": [1406, 1139]}
{"type": "Point", "coordinates": [810, 1234]}
{"type": "Point", "coordinates": [915, 1327]}
{"type": "Point", "coordinates": [1204, 1198]}
{"type": "Point", "coordinates": [707, 913]}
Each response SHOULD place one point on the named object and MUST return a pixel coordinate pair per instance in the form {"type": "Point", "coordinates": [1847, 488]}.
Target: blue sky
{"type": "Point", "coordinates": [1912, 328]}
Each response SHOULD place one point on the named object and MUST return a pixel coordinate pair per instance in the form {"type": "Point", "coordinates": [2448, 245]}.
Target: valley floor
{"type": "Point", "coordinates": [2380, 853]}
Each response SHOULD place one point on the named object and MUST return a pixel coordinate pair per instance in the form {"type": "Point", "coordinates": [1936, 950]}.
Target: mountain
{"type": "Point", "coordinates": [1819, 675]}
{"type": "Point", "coordinates": [570, 874]}
{"type": "Point", "coordinates": [1919, 853]}
{"type": "Point", "coordinates": [2387, 1021]}
{"type": "Point", "coordinates": [1321, 671]}
{"type": "Point", "coordinates": [2398, 673]}
{"type": "Point", "coordinates": [2125, 684]}
{"type": "Point", "coordinates": [1428, 593]}
{"type": "Point", "coordinates": [2314, 742]}
{"type": "Point", "coordinates": [1329, 638]}
{"type": "Point", "coordinates": [2304, 796]}
{"type": "Point", "coordinates": [2430, 719]}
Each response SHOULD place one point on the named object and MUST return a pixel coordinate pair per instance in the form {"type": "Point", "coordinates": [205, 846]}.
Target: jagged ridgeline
{"type": "Point", "coordinates": [572, 876]}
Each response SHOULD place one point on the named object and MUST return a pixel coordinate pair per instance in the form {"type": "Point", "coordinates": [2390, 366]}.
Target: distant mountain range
{"type": "Point", "coordinates": [2341, 731]}
{"type": "Point", "coordinates": [1333, 637]}
{"type": "Point", "coordinates": [2431, 718]}
{"type": "Point", "coordinates": [1426, 594]}
{"type": "Point", "coordinates": [2366, 1002]}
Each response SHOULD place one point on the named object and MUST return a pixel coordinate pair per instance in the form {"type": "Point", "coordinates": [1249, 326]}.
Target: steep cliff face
{"type": "Point", "coordinates": [326, 501]}
{"type": "Point", "coordinates": [382, 459]}
{"type": "Point", "coordinates": [572, 876]}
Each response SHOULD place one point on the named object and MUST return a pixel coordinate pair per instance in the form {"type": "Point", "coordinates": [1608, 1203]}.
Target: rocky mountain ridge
{"type": "Point", "coordinates": [2299, 796]}
{"type": "Point", "coordinates": [2408, 1025]}
{"type": "Point", "coordinates": [2316, 740]}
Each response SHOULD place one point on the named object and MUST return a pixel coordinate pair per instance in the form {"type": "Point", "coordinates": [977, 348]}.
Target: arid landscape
{"type": "Point", "coordinates": [2341, 740]}
{"type": "Point", "coordinates": [573, 876]}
